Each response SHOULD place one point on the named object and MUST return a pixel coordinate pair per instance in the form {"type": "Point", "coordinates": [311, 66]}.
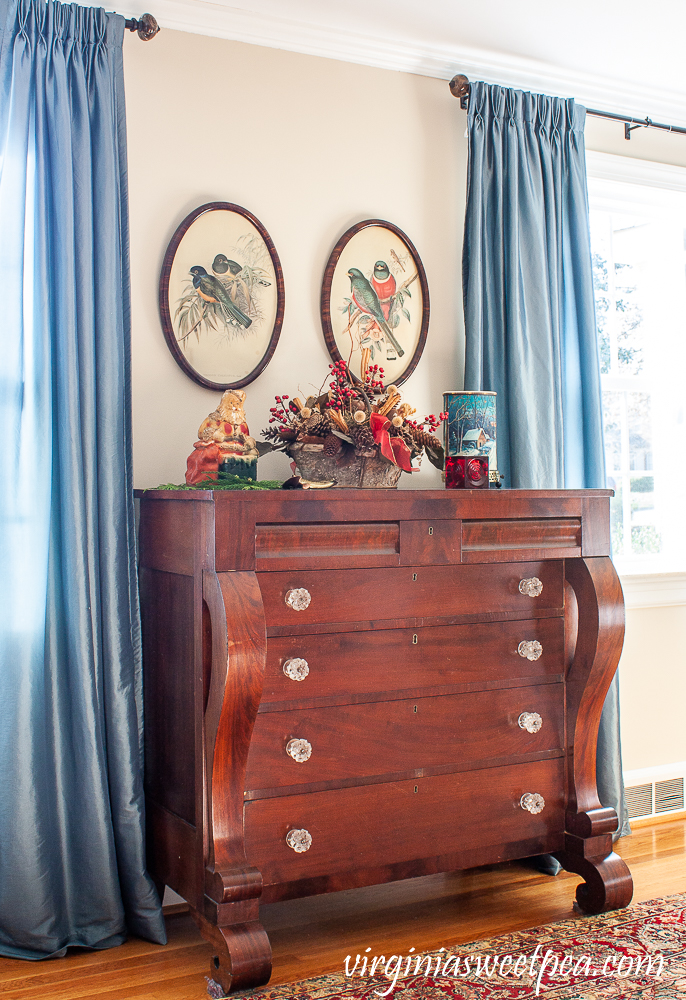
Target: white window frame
{"type": "Point", "coordinates": [612, 178]}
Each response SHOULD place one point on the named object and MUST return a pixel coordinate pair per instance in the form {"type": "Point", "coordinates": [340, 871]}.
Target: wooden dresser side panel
{"type": "Point", "coordinates": [596, 526]}
{"type": "Point", "coordinates": [167, 608]}
{"type": "Point", "coordinates": [168, 539]}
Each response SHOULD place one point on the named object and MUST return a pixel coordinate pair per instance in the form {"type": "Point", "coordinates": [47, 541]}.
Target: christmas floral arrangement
{"type": "Point", "coordinates": [356, 432]}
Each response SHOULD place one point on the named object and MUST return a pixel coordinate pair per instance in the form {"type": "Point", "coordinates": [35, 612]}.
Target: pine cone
{"type": "Point", "coordinates": [362, 434]}
{"type": "Point", "coordinates": [424, 439]}
{"type": "Point", "coordinates": [403, 432]}
{"type": "Point", "coordinates": [364, 439]}
{"type": "Point", "coordinates": [332, 445]}
{"type": "Point", "coordinates": [318, 425]}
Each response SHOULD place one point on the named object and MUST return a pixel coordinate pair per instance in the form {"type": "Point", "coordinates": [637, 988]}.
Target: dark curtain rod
{"type": "Point", "coordinates": [459, 87]}
{"type": "Point", "coordinates": [146, 26]}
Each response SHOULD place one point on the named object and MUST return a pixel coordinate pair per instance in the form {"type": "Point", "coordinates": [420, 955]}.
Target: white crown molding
{"type": "Point", "coordinates": [654, 590]}
{"type": "Point", "coordinates": [441, 62]}
{"type": "Point", "coordinates": [628, 170]}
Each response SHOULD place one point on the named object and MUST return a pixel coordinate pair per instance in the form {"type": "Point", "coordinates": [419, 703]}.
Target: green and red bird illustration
{"type": "Point", "coordinates": [211, 289]}
{"type": "Point", "coordinates": [367, 301]}
{"type": "Point", "coordinates": [383, 284]}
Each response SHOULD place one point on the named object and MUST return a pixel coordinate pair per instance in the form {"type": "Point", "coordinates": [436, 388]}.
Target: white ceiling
{"type": "Point", "coordinates": [603, 52]}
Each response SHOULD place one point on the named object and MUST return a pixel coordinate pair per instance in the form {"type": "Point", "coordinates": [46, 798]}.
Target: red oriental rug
{"type": "Point", "coordinates": [635, 953]}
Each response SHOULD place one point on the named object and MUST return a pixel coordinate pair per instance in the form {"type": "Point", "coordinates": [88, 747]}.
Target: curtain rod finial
{"type": "Point", "coordinates": [459, 87]}
{"type": "Point", "coordinates": [146, 26]}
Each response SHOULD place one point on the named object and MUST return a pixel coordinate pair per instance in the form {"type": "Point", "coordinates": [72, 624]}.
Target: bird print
{"type": "Point", "coordinates": [383, 284]}
{"type": "Point", "coordinates": [367, 301]}
{"type": "Point", "coordinates": [211, 289]}
{"type": "Point", "coordinates": [221, 264]}
{"type": "Point", "coordinates": [231, 274]}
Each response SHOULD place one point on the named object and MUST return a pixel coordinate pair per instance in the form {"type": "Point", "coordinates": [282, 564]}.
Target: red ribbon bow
{"type": "Point", "coordinates": [393, 449]}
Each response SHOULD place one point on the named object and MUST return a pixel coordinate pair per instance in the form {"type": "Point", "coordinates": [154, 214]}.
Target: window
{"type": "Point", "coordinates": [638, 243]}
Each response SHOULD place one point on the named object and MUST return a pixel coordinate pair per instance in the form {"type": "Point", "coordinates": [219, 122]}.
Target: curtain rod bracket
{"type": "Point", "coordinates": [146, 26]}
{"type": "Point", "coordinates": [628, 129]}
{"type": "Point", "coordinates": [459, 87]}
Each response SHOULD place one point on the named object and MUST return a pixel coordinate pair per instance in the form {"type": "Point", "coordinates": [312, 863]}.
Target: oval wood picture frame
{"type": "Point", "coordinates": [375, 296]}
{"type": "Point", "coordinates": [221, 296]}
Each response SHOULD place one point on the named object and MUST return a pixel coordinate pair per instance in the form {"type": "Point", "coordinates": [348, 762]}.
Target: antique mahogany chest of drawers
{"type": "Point", "coordinates": [357, 686]}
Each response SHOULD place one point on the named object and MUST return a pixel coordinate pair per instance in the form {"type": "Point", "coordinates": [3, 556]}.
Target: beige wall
{"type": "Point", "coordinates": [645, 144]}
{"type": "Point", "coordinates": [311, 146]}
{"type": "Point", "coordinates": [653, 687]}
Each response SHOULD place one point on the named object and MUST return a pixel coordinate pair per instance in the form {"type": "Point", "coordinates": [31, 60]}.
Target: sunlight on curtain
{"type": "Point", "coordinates": [529, 313]}
{"type": "Point", "coordinates": [72, 861]}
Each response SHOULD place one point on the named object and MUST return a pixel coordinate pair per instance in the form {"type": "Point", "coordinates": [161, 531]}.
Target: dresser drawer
{"type": "Point", "coordinates": [383, 824]}
{"type": "Point", "coordinates": [396, 737]}
{"type": "Point", "coordinates": [353, 666]}
{"type": "Point", "coordinates": [299, 597]}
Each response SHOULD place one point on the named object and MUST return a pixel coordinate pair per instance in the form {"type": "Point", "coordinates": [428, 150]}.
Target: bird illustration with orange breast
{"type": "Point", "coordinates": [383, 284]}
{"type": "Point", "coordinates": [211, 289]}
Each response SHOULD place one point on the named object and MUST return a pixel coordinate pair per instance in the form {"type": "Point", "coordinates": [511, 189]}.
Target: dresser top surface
{"type": "Point", "coordinates": [456, 497]}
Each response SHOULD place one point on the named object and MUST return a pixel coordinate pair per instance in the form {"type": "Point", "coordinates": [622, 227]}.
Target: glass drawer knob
{"type": "Point", "coordinates": [298, 599]}
{"type": "Point", "coordinates": [531, 721]}
{"type": "Point", "coordinates": [299, 750]}
{"type": "Point", "coordinates": [530, 649]}
{"type": "Point", "coordinates": [531, 587]}
{"type": "Point", "coordinates": [296, 668]}
{"type": "Point", "coordinates": [532, 802]}
{"type": "Point", "coordinates": [299, 840]}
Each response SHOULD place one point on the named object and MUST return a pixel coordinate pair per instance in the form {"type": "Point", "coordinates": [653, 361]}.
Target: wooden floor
{"type": "Point", "coordinates": [311, 936]}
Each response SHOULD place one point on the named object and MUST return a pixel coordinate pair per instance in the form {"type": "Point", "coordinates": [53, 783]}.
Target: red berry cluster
{"type": "Point", "coordinates": [429, 423]}
{"type": "Point", "coordinates": [280, 413]}
{"type": "Point", "coordinates": [342, 392]}
{"type": "Point", "coordinates": [373, 378]}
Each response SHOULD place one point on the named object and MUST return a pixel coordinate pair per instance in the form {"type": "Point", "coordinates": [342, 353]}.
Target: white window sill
{"type": "Point", "coordinates": [653, 590]}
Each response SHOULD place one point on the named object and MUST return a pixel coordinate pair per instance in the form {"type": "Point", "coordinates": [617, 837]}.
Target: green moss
{"type": "Point", "coordinates": [225, 483]}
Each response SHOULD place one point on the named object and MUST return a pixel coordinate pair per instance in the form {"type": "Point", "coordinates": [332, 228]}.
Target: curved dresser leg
{"type": "Point", "coordinates": [607, 881]}
{"type": "Point", "coordinates": [243, 955]}
{"type": "Point", "coordinates": [229, 917]}
{"type": "Point", "coordinates": [588, 824]}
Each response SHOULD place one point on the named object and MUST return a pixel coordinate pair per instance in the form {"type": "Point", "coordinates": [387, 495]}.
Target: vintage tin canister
{"type": "Point", "coordinates": [470, 429]}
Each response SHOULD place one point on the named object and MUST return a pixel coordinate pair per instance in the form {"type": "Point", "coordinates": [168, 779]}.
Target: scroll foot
{"type": "Point", "coordinates": [608, 884]}
{"type": "Point", "coordinates": [243, 955]}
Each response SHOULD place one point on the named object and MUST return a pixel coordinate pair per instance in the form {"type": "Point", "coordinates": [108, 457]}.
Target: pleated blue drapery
{"type": "Point", "coordinates": [72, 861]}
{"type": "Point", "coordinates": [530, 314]}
